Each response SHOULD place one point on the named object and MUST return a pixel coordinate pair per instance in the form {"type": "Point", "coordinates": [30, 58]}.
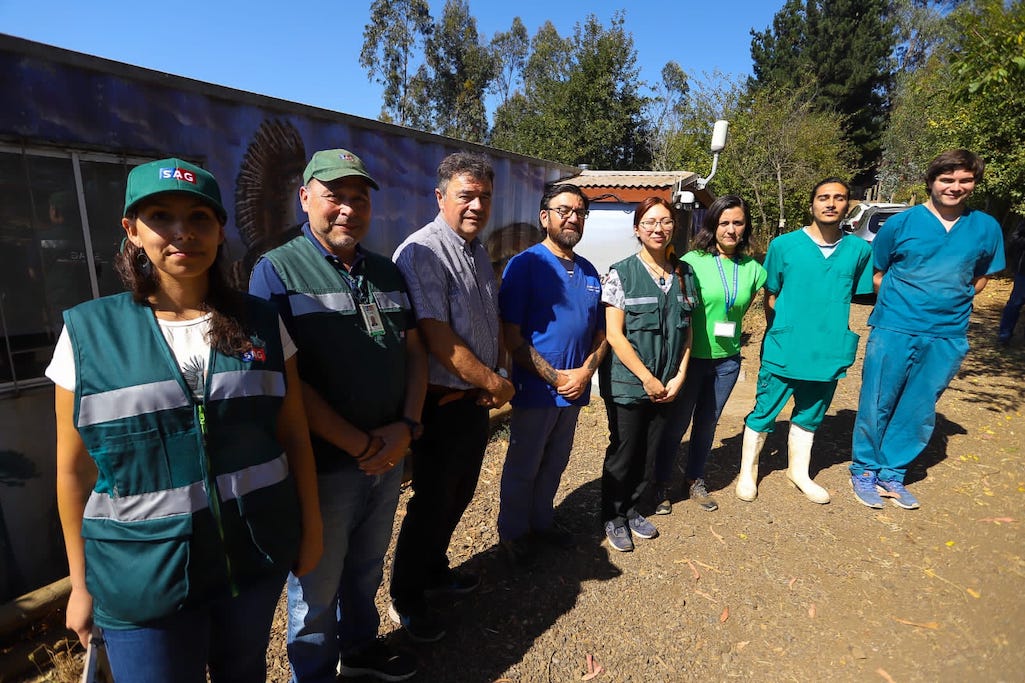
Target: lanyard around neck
{"type": "Point", "coordinates": [731, 298]}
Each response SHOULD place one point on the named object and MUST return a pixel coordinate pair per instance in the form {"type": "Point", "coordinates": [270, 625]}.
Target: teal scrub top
{"type": "Point", "coordinates": [809, 338]}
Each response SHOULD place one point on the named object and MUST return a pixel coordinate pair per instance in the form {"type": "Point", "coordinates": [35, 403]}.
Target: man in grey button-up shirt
{"type": "Point", "coordinates": [455, 297]}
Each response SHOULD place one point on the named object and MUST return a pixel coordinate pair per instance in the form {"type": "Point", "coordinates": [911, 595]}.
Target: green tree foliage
{"type": "Point", "coordinates": [967, 90]}
{"type": "Point", "coordinates": [509, 50]}
{"type": "Point", "coordinates": [396, 29]}
{"type": "Point", "coordinates": [665, 114]}
{"type": "Point", "coordinates": [459, 70]}
{"type": "Point", "coordinates": [780, 146]}
{"type": "Point", "coordinates": [580, 102]}
{"type": "Point", "coordinates": [843, 48]}
{"type": "Point", "coordinates": [988, 67]}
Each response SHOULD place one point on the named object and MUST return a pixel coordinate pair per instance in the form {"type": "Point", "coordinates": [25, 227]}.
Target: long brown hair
{"type": "Point", "coordinates": [228, 321]}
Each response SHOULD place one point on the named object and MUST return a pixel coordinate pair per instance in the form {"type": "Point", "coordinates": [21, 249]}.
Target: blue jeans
{"type": "Point", "coordinates": [331, 610]}
{"type": "Point", "coordinates": [902, 378]}
{"type": "Point", "coordinates": [709, 383]}
{"type": "Point", "coordinates": [229, 635]}
{"type": "Point", "coordinates": [540, 442]}
{"type": "Point", "coordinates": [1009, 318]}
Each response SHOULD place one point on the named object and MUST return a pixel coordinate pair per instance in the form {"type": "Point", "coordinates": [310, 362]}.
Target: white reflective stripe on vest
{"type": "Point", "coordinates": [130, 401]}
{"type": "Point", "coordinates": [305, 304]}
{"type": "Point", "coordinates": [237, 484]}
{"type": "Point", "coordinates": [389, 301]}
{"type": "Point", "coordinates": [243, 383]}
{"type": "Point", "coordinates": [185, 500]}
{"type": "Point", "coordinates": [641, 300]}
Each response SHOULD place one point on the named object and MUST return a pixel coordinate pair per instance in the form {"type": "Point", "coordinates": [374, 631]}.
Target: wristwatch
{"type": "Point", "coordinates": [416, 429]}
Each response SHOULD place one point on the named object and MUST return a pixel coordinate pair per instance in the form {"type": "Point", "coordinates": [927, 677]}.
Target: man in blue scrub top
{"type": "Point", "coordinates": [554, 324]}
{"type": "Point", "coordinates": [930, 262]}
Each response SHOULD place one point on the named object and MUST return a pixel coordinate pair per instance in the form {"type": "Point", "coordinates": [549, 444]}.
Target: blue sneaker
{"type": "Point", "coordinates": [642, 527]}
{"type": "Point", "coordinates": [619, 537]}
{"type": "Point", "coordinates": [898, 495]}
{"type": "Point", "coordinates": [865, 490]}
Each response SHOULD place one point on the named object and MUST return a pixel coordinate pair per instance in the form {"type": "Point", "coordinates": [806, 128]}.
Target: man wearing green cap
{"type": "Point", "coordinates": [364, 374]}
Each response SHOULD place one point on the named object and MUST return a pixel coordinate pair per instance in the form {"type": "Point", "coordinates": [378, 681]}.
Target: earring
{"type": "Point", "coordinates": [142, 262]}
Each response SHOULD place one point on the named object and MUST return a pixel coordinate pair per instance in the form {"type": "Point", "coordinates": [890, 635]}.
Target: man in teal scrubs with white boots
{"type": "Point", "coordinates": [812, 274]}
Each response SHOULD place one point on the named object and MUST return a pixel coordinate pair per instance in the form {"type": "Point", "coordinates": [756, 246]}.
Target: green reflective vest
{"type": "Point", "coordinates": [655, 323]}
{"type": "Point", "coordinates": [361, 375]}
{"type": "Point", "coordinates": [193, 500]}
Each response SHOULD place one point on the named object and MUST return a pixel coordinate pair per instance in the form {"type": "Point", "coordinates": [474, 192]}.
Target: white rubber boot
{"type": "Point", "coordinates": [800, 457]}
{"type": "Point", "coordinates": [747, 481]}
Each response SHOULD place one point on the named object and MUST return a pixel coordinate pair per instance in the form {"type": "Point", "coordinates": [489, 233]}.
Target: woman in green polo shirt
{"type": "Point", "coordinates": [181, 446]}
{"type": "Point", "coordinates": [727, 280]}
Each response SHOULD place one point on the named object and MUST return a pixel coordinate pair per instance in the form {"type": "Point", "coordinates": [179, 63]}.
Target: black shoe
{"type": "Point", "coordinates": [556, 537]}
{"type": "Point", "coordinates": [519, 551]}
{"type": "Point", "coordinates": [421, 625]}
{"type": "Point", "coordinates": [379, 661]}
{"type": "Point", "coordinates": [454, 583]}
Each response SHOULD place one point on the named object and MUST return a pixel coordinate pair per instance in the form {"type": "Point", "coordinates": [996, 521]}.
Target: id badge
{"type": "Point", "coordinates": [725, 329]}
{"type": "Point", "coordinates": [372, 319]}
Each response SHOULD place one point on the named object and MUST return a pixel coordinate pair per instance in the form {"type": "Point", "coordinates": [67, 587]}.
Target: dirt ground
{"type": "Point", "coordinates": [779, 589]}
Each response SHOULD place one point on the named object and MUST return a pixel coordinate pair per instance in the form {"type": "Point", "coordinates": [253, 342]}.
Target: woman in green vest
{"type": "Point", "coordinates": [185, 477]}
{"type": "Point", "coordinates": [648, 301]}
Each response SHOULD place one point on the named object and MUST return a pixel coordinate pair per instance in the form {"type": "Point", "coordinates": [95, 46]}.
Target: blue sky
{"type": "Point", "coordinates": [308, 51]}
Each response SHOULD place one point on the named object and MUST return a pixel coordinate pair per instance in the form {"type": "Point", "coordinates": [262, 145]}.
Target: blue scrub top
{"type": "Point", "coordinates": [928, 271]}
{"type": "Point", "coordinates": [558, 313]}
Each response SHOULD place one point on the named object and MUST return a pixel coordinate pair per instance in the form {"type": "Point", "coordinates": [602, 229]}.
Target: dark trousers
{"type": "Point", "coordinates": [446, 465]}
{"type": "Point", "coordinates": [634, 434]}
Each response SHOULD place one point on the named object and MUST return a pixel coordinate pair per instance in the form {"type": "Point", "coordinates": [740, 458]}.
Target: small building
{"type": "Point", "coordinates": [608, 234]}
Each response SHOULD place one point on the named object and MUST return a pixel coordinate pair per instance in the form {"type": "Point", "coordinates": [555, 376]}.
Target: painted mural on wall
{"type": "Point", "coordinates": [62, 106]}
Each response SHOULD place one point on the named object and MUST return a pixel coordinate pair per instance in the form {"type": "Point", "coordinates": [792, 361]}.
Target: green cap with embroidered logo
{"type": "Point", "coordinates": [332, 164]}
{"type": "Point", "coordinates": [173, 175]}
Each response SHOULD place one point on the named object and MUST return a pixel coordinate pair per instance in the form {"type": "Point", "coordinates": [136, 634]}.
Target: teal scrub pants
{"type": "Point", "coordinates": [903, 377]}
{"type": "Point", "coordinates": [811, 400]}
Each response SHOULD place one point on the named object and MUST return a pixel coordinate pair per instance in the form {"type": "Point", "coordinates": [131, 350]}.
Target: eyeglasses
{"type": "Point", "coordinates": [650, 224]}
{"type": "Point", "coordinates": [565, 212]}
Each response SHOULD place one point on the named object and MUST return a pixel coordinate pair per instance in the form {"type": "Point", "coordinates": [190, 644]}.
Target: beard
{"type": "Point", "coordinates": [567, 239]}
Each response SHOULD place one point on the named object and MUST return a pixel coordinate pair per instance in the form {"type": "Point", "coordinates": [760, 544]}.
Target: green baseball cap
{"type": "Point", "coordinates": [332, 164]}
{"type": "Point", "coordinates": [173, 175]}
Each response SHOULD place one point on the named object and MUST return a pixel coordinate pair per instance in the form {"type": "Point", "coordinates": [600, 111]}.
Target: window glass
{"type": "Point", "coordinates": [38, 247]}
{"type": "Point", "coordinates": [104, 185]}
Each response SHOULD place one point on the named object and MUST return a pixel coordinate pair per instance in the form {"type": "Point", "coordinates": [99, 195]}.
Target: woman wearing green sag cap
{"type": "Point", "coordinates": [185, 478]}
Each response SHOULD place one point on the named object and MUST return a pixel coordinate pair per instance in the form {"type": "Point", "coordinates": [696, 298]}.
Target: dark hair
{"type": "Point", "coordinates": [553, 191]}
{"type": "Point", "coordinates": [477, 166]}
{"type": "Point", "coordinates": [953, 160]}
{"type": "Point", "coordinates": [228, 320]}
{"type": "Point", "coordinates": [827, 181]}
{"type": "Point", "coordinates": [705, 241]}
{"type": "Point", "coordinates": [646, 205]}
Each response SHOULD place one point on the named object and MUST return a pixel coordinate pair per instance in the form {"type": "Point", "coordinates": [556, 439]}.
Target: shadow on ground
{"type": "Point", "coordinates": [492, 629]}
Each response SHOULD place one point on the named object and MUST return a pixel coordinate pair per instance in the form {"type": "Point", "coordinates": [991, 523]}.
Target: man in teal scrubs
{"type": "Point", "coordinates": [812, 273]}
{"type": "Point", "coordinates": [930, 262]}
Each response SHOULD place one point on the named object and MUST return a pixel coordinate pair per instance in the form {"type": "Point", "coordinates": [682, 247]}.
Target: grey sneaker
{"type": "Point", "coordinates": [865, 490]}
{"type": "Point", "coordinates": [642, 527]}
{"type": "Point", "coordinates": [699, 494]}
{"type": "Point", "coordinates": [898, 495]}
{"type": "Point", "coordinates": [619, 537]}
{"type": "Point", "coordinates": [663, 505]}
